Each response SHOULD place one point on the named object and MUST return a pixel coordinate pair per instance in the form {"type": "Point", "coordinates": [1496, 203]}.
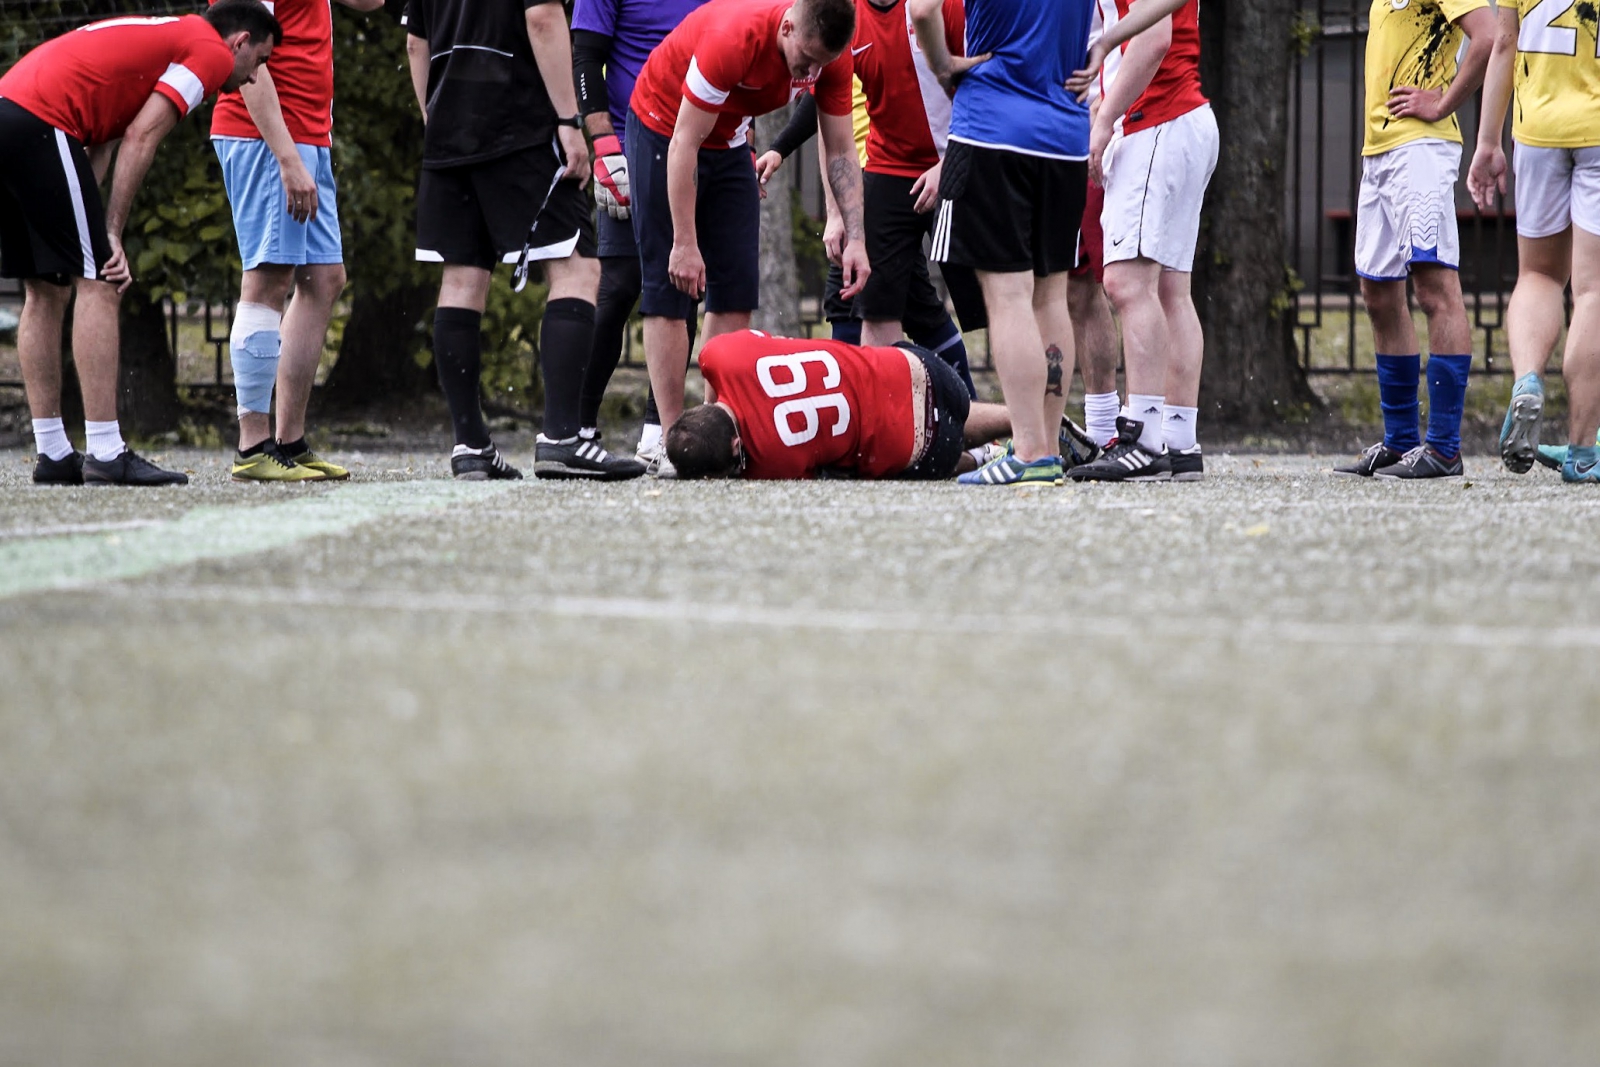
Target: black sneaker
{"type": "Point", "coordinates": [1077, 448]}
{"type": "Point", "coordinates": [1126, 460]}
{"type": "Point", "coordinates": [1187, 465]}
{"type": "Point", "coordinates": [577, 457]}
{"type": "Point", "coordinates": [1373, 460]}
{"type": "Point", "coordinates": [481, 465]}
{"type": "Point", "coordinates": [130, 468]}
{"type": "Point", "coordinates": [1424, 461]}
{"type": "Point", "coordinates": [68, 470]}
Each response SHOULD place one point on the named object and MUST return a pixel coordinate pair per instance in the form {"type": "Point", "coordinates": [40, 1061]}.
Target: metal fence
{"type": "Point", "coordinates": [1327, 108]}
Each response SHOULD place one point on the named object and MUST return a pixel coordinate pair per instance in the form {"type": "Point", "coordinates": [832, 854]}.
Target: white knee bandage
{"type": "Point", "coordinates": [254, 345]}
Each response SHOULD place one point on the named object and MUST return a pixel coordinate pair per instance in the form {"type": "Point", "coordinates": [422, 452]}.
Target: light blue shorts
{"type": "Point", "coordinates": [267, 232]}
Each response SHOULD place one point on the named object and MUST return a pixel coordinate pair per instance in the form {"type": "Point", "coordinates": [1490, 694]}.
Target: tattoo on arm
{"type": "Point", "coordinates": [847, 194]}
{"type": "Point", "coordinates": [1053, 362]}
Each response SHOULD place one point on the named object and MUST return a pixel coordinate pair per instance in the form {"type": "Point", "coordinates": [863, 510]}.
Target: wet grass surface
{"type": "Point", "coordinates": [1278, 768]}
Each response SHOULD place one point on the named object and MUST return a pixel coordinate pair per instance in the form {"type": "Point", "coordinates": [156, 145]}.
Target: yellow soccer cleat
{"type": "Point", "coordinates": [330, 471]}
{"type": "Point", "coordinates": [270, 465]}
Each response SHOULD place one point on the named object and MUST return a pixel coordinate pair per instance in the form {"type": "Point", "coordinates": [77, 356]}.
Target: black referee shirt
{"type": "Point", "coordinates": [485, 96]}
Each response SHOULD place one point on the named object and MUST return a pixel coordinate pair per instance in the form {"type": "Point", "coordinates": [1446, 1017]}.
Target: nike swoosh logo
{"type": "Point", "coordinates": [863, 48]}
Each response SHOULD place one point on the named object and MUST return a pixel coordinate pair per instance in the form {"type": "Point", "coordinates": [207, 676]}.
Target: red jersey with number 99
{"type": "Point", "coordinates": [805, 405]}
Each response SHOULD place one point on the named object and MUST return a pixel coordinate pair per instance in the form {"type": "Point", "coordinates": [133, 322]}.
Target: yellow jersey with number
{"type": "Point", "coordinates": [1411, 43]}
{"type": "Point", "coordinates": [1557, 102]}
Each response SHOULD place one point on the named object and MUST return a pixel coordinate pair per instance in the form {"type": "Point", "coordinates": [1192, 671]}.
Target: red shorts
{"type": "Point", "coordinates": [1091, 238]}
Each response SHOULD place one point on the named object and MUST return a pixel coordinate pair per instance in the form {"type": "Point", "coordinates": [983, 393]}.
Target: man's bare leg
{"type": "Point", "coordinates": [666, 354]}
{"type": "Point", "coordinates": [1095, 335]}
{"type": "Point", "coordinates": [1055, 334]}
{"type": "Point", "coordinates": [1533, 323]}
{"type": "Point", "coordinates": [1581, 362]}
{"type": "Point", "coordinates": [1134, 287]}
{"type": "Point", "coordinates": [1019, 359]}
{"type": "Point", "coordinates": [985, 423]}
{"type": "Point", "coordinates": [1184, 359]}
{"type": "Point", "coordinates": [884, 332]}
{"type": "Point", "coordinates": [44, 309]}
{"type": "Point", "coordinates": [266, 286]}
{"type": "Point", "coordinates": [305, 330]}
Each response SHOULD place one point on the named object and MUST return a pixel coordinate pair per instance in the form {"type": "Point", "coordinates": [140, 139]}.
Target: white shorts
{"type": "Point", "coordinates": [1406, 210]}
{"type": "Point", "coordinates": [1155, 182]}
{"type": "Point", "coordinates": [1556, 187]}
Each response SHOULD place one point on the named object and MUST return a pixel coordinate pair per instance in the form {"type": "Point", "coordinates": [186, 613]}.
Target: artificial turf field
{"type": "Point", "coordinates": [1277, 769]}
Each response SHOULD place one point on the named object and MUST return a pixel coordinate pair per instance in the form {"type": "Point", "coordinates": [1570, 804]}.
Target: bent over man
{"type": "Point", "coordinates": [780, 408]}
{"type": "Point", "coordinates": [63, 108]}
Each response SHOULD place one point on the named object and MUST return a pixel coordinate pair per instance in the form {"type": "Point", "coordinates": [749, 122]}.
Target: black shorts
{"type": "Point", "coordinates": [948, 405]}
{"type": "Point", "coordinates": [1006, 212]}
{"type": "Point", "coordinates": [52, 222]}
{"type": "Point", "coordinates": [727, 225]}
{"type": "Point", "coordinates": [899, 288]}
{"type": "Point", "coordinates": [480, 214]}
{"type": "Point", "coordinates": [566, 225]}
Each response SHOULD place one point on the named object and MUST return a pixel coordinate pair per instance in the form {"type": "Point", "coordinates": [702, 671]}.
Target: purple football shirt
{"type": "Point", "coordinates": [635, 28]}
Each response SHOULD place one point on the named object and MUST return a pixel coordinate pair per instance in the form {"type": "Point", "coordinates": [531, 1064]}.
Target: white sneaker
{"type": "Point", "coordinates": [657, 465]}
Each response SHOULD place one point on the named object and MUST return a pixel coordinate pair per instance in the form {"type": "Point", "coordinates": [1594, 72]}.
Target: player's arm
{"type": "Point", "coordinates": [1139, 64]}
{"type": "Point", "coordinates": [843, 170]}
{"type": "Point", "coordinates": [153, 122]}
{"type": "Point", "coordinates": [1431, 105]}
{"type": "Point", "coordinates": [1487, 174]}
{"type": "Point", "coordinates": [833, 224]}
{"type": "Point", "coordinates": [928, 18]}
{"type": "Point", "coordinates": [797, 131]}
{"type": "Point", "coordinates": [300, 188]}
{"type": "Point", "coordinates": [590, 51]}
{"type": "Point", "coordinates": [1142, 14]}
{"type": "Point", "coordinates": [418, 59]}
{"type": "Point", "coordinates": [552, 51]}
{"type": "Point", "coordinates": [684, 265]}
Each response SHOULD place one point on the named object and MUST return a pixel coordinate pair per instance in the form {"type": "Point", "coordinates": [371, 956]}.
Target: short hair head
{"type": "Point", "coordinates": [832, 23]}
{"type": "Point", "coordinates": [700, 443]}
{"type": "Point", "coordinates": [229, 17]}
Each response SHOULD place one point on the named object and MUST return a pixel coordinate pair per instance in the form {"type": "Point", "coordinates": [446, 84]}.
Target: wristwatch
{"type": "Point", "coordinates": [576, 122]}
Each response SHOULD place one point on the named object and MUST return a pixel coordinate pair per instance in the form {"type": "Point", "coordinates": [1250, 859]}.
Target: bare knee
{"type": "Point", "coordinates": [46, 296]}
{"type": "Point", "coordinates": [267, 284]}
{"type": "Point", "coordinates": [1438, 292]}
{"type": "Point", "coordinates": [1129, 288]}
{"type": "Point", "coordinates": [574, 278]}
{"type": "Point", "coordinates": [323, 283]}
{"type": "Point", "coordinates": [1386, 301]}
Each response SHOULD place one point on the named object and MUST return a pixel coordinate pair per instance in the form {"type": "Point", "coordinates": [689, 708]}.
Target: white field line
{"type": "Point", "coordinates": [633, 609]}
{"type": "Point", "coordinates": [78, 528]}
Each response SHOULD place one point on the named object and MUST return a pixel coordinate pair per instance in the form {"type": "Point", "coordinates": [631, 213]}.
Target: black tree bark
{"type": "Point", "coordinates": [377, 354]}
{"type": "Point", "coordinates": [1242, 288]}
{"type": "Point", "coordinates": [147, 378]}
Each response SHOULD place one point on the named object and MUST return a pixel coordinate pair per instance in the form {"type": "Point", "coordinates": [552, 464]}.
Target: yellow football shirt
{"type": "Point", "coordinates": [1411, 42]}
{"type": "Point", "coordinates": [1557, 79]}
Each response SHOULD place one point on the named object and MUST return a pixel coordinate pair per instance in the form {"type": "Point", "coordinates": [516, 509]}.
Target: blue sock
{"type": "Point", "coordinates": [1397, 395]}
{"type": "Point", "coordinates": [848, 331]}
{"type": "Point", "coordinates": [1447, 395]}
{"type": "Point", "coordinates": [1528, 383]}
{"type": "Point", "coordinates": [946, 343]}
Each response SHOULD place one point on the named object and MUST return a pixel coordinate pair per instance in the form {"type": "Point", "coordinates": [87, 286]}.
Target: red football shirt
{"type": "Point", "coordinates": [804, 405]}
{"type": "Point", "coordinates": [1175, 89]}
{"type": "Point", "coordinates": [302, 73]}
{"type": "Point", "coordinates": [909, 112]}
{"type": "Point", "coordinates": [90, 83]}
{"type": "Point", "coordinates": [724, 57]}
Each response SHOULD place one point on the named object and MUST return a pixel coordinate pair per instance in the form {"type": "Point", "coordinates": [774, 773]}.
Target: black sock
{"type": "Point", "coordinates": [619, 289]}
{"type": "Point", "coordinates": [458, 353]}
{"type": "Point", "coordinates": [257, 448]}
{"type": "Point", "coordinates": [293, 448]}
{"type": "Point", "coordinates": [566, 337]}
{"type": "Point", "coordinates": [652, 416]}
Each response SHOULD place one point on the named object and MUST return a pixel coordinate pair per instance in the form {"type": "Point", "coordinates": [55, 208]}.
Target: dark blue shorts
{"type": "Point", "coordinates": [615, 236]}
{"type": "Point", "coordinates": [727, 224]}
{"type": "Point", "coordinates": [948, 408]}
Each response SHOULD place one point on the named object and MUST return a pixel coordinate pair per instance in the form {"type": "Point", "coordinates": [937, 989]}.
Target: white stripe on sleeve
{"type": "Point", "coordinates": [79, 214]}
{"type": "Point", "coordinates": [189, 86]}
{"type": "Point", "coordinates": [703, 89]}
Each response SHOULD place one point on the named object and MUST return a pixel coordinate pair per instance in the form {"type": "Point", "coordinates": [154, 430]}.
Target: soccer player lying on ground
{"type": "Point", "coordinates": [63, 108]}
{"type": "Point", "coordinates": [779, 408]}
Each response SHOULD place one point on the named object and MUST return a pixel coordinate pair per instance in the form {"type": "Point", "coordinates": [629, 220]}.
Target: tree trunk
{"type": "Point", "coordinates": [1242, 289]}
{"type": "Point", "coordinates": [779, 313]}
{"type": "Point", "coordinates": [147, 378]}
{"type": "Point", "coordinates": [377, 356]}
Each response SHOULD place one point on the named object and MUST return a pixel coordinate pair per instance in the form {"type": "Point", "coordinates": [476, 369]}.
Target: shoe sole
{"type": "Point", "coordinates": [553, 471]}
{"type": "Point", "coordinates": [1520, 447]}
{"type": "Point", "coordinates": [1419, 477]}
{"type": "Point", "coordinates": [1190, 476]}
{"type": "Point", "coordinates": [134, 485]}
{"type": "Point", "coordinates": [247, 480]}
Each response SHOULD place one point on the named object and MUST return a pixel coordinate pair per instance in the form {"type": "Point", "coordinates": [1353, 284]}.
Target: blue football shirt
{"type": "Point", "coordinates": [1018, 100]}
{"type": "Point", "coordinates": [635, 28]}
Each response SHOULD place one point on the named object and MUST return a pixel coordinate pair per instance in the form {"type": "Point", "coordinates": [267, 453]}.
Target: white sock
{"type": "Point", "coordinates": [105, 440]}
{"type": "Point", "coordinates": [588, 433]}
{"type": "Point", "coordinates": [463, 450]}
{"type": "Point", "coordinates": [1100, 412]}
{"type": "Point", "coordinates": [1178, 428]}
{"type": "Point", "coordinates": [651, 437]}
{"type": "Point", "coordinates": [50, 438]}
{"type": "Point", "coordinates": [1147, 409]}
